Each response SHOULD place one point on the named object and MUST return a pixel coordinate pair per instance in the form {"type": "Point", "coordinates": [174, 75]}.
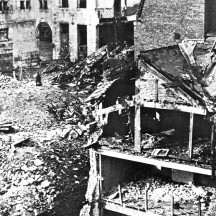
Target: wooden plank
{"type": "Point", "coordinates": [100, 174]}
{"type": "Point", "coordinates": [125, 210]}
{"type": "Point", "coordinates": [137, 118]}
{"type": "Point", "coordinates": [156, 105]}
{"type": "Point", "coordinates": [156, 90]}
{"type": "Point", "coordinates": [172, 205]}
{"type": "Point", "coordinates": [189, 109]}
{"type": "Point", "coordinates": [191, 136]}
{"type": "Point", "coordinates": [213, 150]}
{"type": "Point", "coordinates": [155, 162]}
{"type": "Point", "coordinates": [120, 195]}
{"type": "Point", "coordinates": [137, 129]}
{"type": "Point", "coordinates": [115, 108]}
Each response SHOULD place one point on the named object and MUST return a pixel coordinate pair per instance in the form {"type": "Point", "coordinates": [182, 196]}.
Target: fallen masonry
{"type": "Point", "coordinates": [159, 113]}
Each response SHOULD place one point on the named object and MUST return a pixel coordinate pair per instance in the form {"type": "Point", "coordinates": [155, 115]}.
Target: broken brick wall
{"type": "Point", "coordinates": [165, 23]}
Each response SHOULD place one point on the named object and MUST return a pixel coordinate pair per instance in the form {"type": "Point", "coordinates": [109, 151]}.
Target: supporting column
{"type": "Point", "coordinates": [213, 150]}
{"type": "Point", "coordinates": [137, 123]}
{"type": "Point", "coordinates": [191, 136]}
{"type": "Point", "coordinates": [100, 175]}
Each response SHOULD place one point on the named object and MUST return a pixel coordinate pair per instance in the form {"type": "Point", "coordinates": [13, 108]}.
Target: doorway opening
{"type": "Point", "coordinates": [44, 41]}
{"type": "Point", "coordinates": [82, 41]}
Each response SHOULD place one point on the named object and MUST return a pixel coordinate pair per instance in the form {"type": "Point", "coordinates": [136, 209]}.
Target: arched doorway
{"type": "Point", "coordinates": [44, 41]}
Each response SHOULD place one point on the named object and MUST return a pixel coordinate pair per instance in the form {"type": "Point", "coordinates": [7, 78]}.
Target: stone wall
{"type": "Point", "coordinates": [165, 23]}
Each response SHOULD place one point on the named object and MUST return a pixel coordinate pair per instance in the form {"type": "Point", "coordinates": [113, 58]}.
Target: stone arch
{"type": "Point", "coordinates": [44, 39]}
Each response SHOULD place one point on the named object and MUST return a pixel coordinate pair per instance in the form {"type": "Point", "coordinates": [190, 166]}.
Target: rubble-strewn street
{"type": "Point", "coordinates": [42, 171]}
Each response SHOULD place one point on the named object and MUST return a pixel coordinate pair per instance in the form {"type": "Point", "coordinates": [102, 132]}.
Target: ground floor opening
{"type": "Point", "coordinates": [44, 41]}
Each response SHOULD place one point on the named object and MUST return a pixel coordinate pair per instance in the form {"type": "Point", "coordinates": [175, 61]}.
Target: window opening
{"type": "Point", "coordinates": [81, 3]}
{"type": "Point", "coordinates": [22, 5]}
{"type": "Point", "coordinates": [65, 3]}
{"type": "Point", "coordinates": [4, 34]}
{"type": "Point", "coordinates": [28, 5]}
{"type": "Point", "coordinates": [45, 5]}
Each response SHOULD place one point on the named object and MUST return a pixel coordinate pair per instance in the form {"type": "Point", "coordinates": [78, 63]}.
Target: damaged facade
{"type": "Point", "coordinates": [56, 29]}
{"type": "Point", "coordinates": [157, 118]}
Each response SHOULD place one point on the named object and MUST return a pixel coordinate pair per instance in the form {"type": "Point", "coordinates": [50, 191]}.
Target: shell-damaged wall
{"type": "Point", "coordinates": [165, 23]}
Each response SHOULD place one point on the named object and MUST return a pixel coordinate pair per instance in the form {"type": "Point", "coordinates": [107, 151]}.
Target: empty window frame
{"type": "Point", "coordinates": [43, 4]}
{"type": "Point", "coordinates": [64, 3]}
{"type": "Point", "coordinates": [3, 5]}
{"type": "Point", "coordinates": [81, 4]}
{"type": "Point", "coordinates": [28, 5]}
{"type": "Point", "coordinates": [22, 5]}
{"type": "Point", "coordinates": [4, 34]}
{"type": "Point", "coordinates": [117, 6]}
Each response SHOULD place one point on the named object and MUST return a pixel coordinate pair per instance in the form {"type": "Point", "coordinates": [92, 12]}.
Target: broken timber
{"type": "Point", "coordinates": [125, 210]}
{"type": "Point", "coordinates": [191, 135]}
{"type": "Point", "coordinates": [155, 162]}
{"type": "Point", "coordinates": [213, 150]}
{"type": "Point", "coordinates": [137, 123]}
{"type": "Point", "coordinates": [156, 105]}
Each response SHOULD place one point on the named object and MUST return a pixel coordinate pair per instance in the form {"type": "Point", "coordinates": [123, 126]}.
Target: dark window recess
{"type": "Point", "coordinates": [22, 5]}
{"type": "Point", "coordinates": [5, 5]}
{"type": "Point", "coordinates": [41, 4]}
{"type": "Point", "coordinates": [81, 3]}
{"type": "Point", "coordinates": [4, 34]}
{"type": "Point", "coordinates": [64, 28]}
{"type": "Point", "coordinates": [82, 30]}
{"type": "Point", "coordinates": [28, 5]}
{"type": "Point", "coordinates": [65, 3]}
{"type": "Point", "coordinates": [177, 36]}
{"type": "Point", "coordinates": [117, 6]}
{"type": "Point", "coordinates": [210, 17]}
{"type": "Point", "coordinates": [45, 5]}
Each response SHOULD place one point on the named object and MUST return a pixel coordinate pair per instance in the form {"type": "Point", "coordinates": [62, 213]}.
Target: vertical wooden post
{"type": "Point", "coordinates": [137, 123]}
{"type": "Point", "coordinates": [146, 199]}
{"type": "Point", "coordinates": [156, 90]}
{"type": "Point", "coordinates": [172, 206]}
{"type": "Point", "coordinates": [120, 195]}
{"type": "Point", "coordinates": [191, 136]}
{"type": "Point", "coordinates": [100, 174]}
{"type": "Point", "coordinates": [213, 150]}
{"type": "Point", "coordinates": [199, 208]}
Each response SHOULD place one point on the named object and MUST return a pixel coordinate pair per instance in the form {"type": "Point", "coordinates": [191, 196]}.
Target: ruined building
{"type": "Point", "coordinates": [157, 117]}
{"type": "Point", "coordinates": [52, 29]}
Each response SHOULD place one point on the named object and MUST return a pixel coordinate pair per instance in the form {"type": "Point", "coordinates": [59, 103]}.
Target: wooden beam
{"type": "Point", "coordinates": [100, 174]}
{"type": "Point", "coordinates": [155, 162]}
{"type": "Point", "coordinates": [172, 205]}
{"type": "Point", "coordinates": [156, 90]}
{"type": "Point", "coordinates": [125, 210]}
{"type": "Point", "coordinates": [120, 195]}
{"type": "Point", "coordinates": [155, 105]}
{"type": "Point", "coordinates": [213, 150]}
{"type": "Point", "coordinates": [115, 108]}
{"type": "Point", "coordinates": [137, 119]}
{"type": "Point", "coordinates": [176, 107]}
{"type": "Point", "coordinates": [191, 136]}
{"type": "Point", "coordinates": [137, 129]}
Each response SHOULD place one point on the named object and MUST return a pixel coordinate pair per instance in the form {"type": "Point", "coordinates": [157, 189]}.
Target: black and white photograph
{"type": "Point", "coordinates": [107, 107]}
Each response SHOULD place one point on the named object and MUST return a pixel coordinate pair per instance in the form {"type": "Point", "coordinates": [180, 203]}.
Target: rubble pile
{"type": "Point", "coordinates": [164, 146]}
{"type": "Point", "coordinates": [36, 175]}
{"type": "Point", "coordinates": [160, 190]}
{"type": "Point", "coordinates": [101, 64]}
{"type": "Point", "coordinates": [43, 168]}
